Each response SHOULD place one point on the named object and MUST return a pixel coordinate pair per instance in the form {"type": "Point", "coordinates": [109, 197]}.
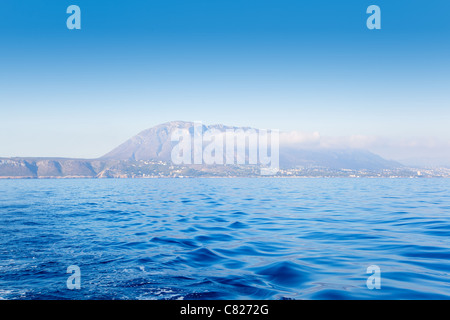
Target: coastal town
{"type": "Point", "coordinates": [26, 168]}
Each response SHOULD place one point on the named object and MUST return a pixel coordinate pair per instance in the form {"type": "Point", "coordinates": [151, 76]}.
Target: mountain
{"type": "Point", "coordinates": [149, 154]}
{"type": "Point", "coordinates": [354, 159]}
{"type": "Point", "coordinates": [155, 144]}
{"type": "Point", "coordinates": [49, 167]}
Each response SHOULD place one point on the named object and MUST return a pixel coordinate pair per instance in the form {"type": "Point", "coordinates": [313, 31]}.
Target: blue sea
{"type": "Point", "coordinates": [260, 238]}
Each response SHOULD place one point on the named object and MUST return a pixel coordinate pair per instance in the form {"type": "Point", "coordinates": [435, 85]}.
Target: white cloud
{"type": "Point", "coordinates": [419, 150]}
{"type": "Point", "coordinates": [300, 138]}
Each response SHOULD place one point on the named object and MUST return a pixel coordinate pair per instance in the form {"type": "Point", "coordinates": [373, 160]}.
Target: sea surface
{"type": "Point", "coordinates": [260, 238]}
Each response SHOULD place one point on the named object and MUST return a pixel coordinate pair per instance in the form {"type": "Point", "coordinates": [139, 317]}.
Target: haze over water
{"type": "Point", "coordinates": [225, 238]}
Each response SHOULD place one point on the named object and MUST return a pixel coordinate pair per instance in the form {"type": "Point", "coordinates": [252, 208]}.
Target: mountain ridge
{"type": "Point", "coordinates": [155, 144]}
{"type": "Point", "coordinates": [148, 154]}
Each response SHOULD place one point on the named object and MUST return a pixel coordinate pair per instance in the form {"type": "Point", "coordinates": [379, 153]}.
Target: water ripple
{"type": "Point", "coordinates": [225, 238]}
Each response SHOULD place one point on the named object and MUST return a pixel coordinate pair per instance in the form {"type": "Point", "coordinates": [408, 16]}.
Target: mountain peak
{"type": "Point", "coordinates": [155, 144]}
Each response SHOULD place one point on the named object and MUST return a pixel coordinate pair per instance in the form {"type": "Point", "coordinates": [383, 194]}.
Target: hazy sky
{"type": "Point", "coordinates": [307, 66]}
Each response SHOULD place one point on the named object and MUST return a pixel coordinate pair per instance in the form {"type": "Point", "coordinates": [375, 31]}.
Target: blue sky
{"type": "Point", "coordinates": [291, 65]}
